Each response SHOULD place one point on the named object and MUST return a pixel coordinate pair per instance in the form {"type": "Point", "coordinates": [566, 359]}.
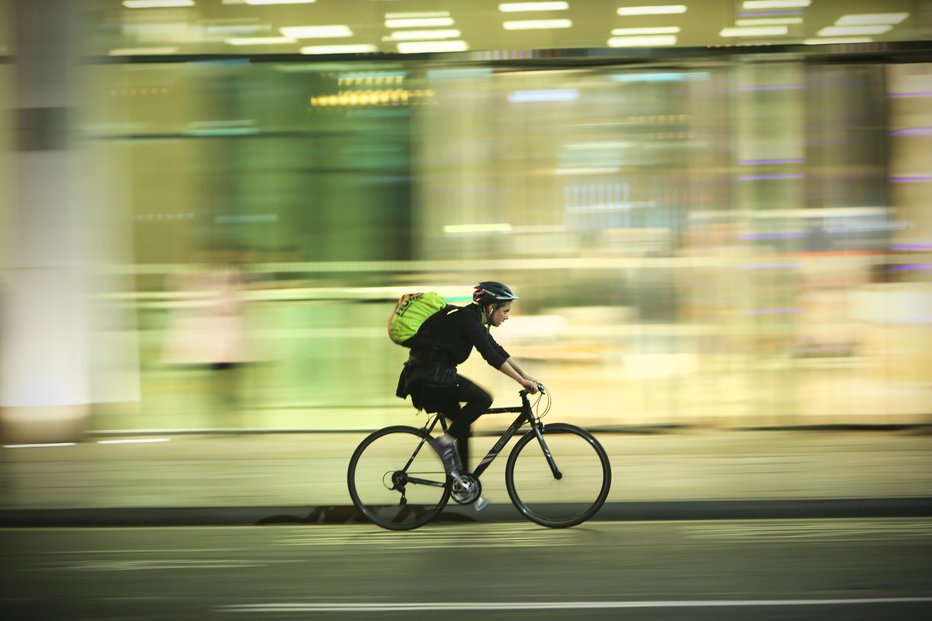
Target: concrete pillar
{"type": "Point", "coordinates": [44, 349]}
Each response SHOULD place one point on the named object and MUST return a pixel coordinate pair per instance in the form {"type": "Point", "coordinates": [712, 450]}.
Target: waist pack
{"type": "Point", "coordinates": [413, 379]}
{"type": "Point", "coordinates": [411, 311]}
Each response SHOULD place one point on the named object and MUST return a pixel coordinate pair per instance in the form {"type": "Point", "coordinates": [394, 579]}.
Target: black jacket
{"type": "Point", "coordinates": [447, 338]}
{"type": "Point", "coordinates": [444, 341]}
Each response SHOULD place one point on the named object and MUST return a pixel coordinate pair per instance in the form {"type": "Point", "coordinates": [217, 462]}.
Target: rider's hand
{"type": "Point", "coordinates": [530, 385]}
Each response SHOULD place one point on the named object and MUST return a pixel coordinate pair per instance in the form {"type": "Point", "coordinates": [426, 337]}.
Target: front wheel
{"type": "Point", "coordinates": [571, 494]}
{"type": "Point", "coordinates": [396, 480]}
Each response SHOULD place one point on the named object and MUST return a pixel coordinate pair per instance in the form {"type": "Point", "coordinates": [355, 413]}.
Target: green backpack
{"type": "Point", "coordinates": [411, 311]}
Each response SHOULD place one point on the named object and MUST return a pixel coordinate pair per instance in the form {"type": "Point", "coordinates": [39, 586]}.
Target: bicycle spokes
{"type": "Point", "coordinates": [558, 496]}
{"type": "Point", "coordinates": [395, 481]}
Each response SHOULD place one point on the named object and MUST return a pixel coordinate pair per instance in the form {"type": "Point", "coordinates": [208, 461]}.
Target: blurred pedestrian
{"type": "Point", "coordinates": [206, 328]}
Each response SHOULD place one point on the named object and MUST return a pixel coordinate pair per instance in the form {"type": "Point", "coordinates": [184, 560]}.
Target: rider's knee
{"type": "Point", "coordinates": [483, 399]}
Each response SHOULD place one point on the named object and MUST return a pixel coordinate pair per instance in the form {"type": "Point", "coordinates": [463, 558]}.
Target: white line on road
{"type": "Point", "coordinates": [134, 441]}
{"type": "Point", "coordinates": [145, 565]}
{"type": "Point", "coordinates": [162, 551]}
{"type": "Point", "coordinates": [461, 606]}
{"type": "Point", "coordinates": [45, 445]}
{"type": "Point", "coordinates": [849, 530]}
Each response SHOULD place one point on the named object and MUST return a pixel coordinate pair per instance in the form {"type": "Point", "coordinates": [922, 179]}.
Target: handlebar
{"type": "Point", "coordinates": [540, 388]}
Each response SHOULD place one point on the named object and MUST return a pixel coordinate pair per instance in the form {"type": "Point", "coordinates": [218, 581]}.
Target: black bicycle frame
{"type": "Point", "coordinates": [525, 415]}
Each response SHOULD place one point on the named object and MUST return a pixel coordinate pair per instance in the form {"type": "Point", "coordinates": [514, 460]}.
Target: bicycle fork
{"type": "Point", "coordinates": [538, 427]}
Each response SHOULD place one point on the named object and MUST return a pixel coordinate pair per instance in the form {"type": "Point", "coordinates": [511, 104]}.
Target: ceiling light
{"type": "Point", "coordinates": [754, 31]}
{"type": "Point", "coordinates": [770, 21]}
{"type": "Point", "coordinates": [665, 9]}
{"type": "Point", "coordinates": [517, 7]}
{"type": "Point", "coordinates": [646, 31]}
{"type": "Point", "coordinates": [339, 49]}
{"type": "Point", "coordinates": [424, 47]}
{"type": "Point", "coordinates": [418, 22]}
{"type": "Point", "coordinates": [836, 40]}
{"type": "Point", "coordinates": [317, 32]}
{"type": "Point", "coordinates": [154, 4]}
{"type": "Point", "coordinates": [260, 40]}
{"type": "Point", "coordinates": [417, 14]}
{"type": "Point", "coordinates": [871, 18]}
{"type": "Point", "coordinates": [835, 31]}
{"type": "Point", "coordinates": [642, 41]}
{"type": "Point", "coordinates": [535, 24]}
{"type": "Point", "coordinates": [776, 4]}
{"type": "Point", "coordinates": [416, 35]}
{"type": "Point", "coordinates": [280, 1]}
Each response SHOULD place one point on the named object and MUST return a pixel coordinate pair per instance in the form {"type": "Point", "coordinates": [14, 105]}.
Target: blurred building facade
{"type": "Point", "coordinates": [731, 236]}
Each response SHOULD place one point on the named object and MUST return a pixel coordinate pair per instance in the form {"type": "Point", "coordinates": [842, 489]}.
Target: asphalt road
{"type": "Point", "coordinates": [731, 569]}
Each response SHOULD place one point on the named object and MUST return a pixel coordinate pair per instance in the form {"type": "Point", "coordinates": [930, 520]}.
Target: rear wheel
{"type": "Point", "coordinates": [573, 493]}
{"type": "Point", "coordinates": [396, 480]}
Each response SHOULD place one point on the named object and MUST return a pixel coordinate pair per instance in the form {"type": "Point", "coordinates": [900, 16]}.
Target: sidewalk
{"type": "Point", "coordinates": [241, 477]}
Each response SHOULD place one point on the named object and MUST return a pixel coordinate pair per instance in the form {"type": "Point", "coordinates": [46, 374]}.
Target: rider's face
{"type": "Point", "coordinates": [500, 316]}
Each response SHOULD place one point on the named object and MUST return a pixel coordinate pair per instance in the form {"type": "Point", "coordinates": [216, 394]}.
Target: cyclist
{"type": "Point", "coordinates": [445, 340]}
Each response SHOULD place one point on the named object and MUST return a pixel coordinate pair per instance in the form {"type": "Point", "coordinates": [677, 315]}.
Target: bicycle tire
{"type": "Point", "coordinates": [393, 452]}
{"type": "Point", "coordinates": [570, 500]}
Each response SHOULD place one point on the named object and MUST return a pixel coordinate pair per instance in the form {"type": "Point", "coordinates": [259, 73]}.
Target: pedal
{"type": "Point", "coordinates": [481, 503]}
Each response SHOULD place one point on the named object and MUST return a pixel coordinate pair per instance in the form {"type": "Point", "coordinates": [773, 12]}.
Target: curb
{"type": "Point", "coordinates": [499, 512]}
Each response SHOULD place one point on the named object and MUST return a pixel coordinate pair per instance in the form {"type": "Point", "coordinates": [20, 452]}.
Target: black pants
{"type": "Point", "coordinates": [447, 401]}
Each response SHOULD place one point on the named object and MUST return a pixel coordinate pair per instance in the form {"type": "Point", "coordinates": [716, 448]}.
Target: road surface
{"type": "Point", "coordinates": [731, 569]}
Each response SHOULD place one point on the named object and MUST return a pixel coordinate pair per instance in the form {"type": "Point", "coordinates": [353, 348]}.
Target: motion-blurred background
{"type": "Point", "coordinates": [714, 213]}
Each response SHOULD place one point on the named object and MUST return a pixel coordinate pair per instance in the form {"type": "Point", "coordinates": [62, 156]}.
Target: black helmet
{"type": "Point", "coordinates": [492, 292]}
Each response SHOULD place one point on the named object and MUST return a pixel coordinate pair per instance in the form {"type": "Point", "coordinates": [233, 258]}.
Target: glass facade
{"type": "Point", "coordinates": [690, 244]}
{"type": "Point", "coordinates": [719, 229]}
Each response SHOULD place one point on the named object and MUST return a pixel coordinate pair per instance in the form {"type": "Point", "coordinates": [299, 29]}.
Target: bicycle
{"type": "Point", "coordinates": [559, 481]}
